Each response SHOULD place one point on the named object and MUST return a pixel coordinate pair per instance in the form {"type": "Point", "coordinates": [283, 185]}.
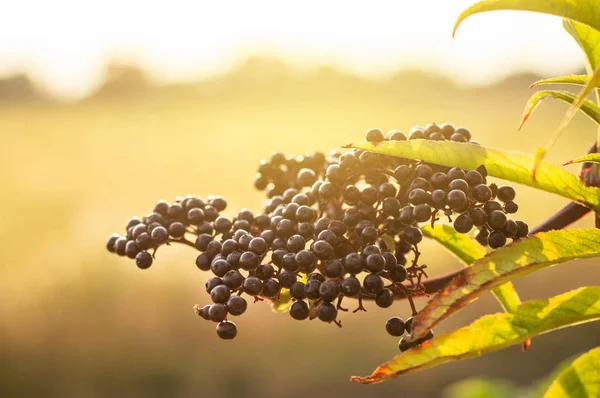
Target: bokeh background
{"type": "Point", "coordinates": [106, 108]}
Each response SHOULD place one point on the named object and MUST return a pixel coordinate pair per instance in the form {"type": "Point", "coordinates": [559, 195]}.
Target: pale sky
{"type": "Point", "coordinates": [64, 44]}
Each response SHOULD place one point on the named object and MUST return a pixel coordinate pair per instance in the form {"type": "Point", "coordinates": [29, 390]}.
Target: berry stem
{"type": "Point", "coordinates": [182, 240]}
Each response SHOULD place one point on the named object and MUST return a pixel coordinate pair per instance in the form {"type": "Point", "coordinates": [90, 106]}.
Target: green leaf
{"type": "Point", "coordinates": [588, 39]}
{"type": "Point", "coordinates": [584, 11]}
{"type": "Point", "coordinates": [468, 250]}
{"type": "Point", "coordinates": [588, 107]}
{"type": "Point", "coordinates": [515, 260]}
{"type": "Point", "coordinates": [578, 80]}
{"type": "Point", "coordinates": [494, 332]}
{"type": "Point", "coordinates": [575, 105]}
{"type": "Point", "coordinates": [592, 158]}
{"type": "Point", "coordinates": [508, 165]}
{"type": "Point", "coordinates": [580, 379]}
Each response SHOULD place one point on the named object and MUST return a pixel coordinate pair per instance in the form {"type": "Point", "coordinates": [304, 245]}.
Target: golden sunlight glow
{"type": "Point", "coordinates": [64, 44]}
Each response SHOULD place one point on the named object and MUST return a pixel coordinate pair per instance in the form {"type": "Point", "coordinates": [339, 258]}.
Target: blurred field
{"type": "Point", "coordinates": [78, 322]}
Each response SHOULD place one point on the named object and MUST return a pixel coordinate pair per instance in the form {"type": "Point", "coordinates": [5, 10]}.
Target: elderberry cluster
{"type": "Point", "coordinates": [343, 225]}
{"type": "Point", "coordinates": [282, 171]}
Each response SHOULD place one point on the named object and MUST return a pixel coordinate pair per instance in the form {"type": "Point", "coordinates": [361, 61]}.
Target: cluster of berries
{"type": "Point", "coordinates": [343, 225]}
{"type": "Point", "coordinates": [282, 171]}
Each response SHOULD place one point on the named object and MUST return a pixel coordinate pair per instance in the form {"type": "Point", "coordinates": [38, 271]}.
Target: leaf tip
{"type": "Point", "coordinates": [351, 145]}
{"type": "Point", "coordinates": [523, 120]}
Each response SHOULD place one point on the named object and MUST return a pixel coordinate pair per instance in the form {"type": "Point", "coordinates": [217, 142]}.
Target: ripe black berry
{"type": "Point", "coordinates": [459, 184]}
{"type": "Point", "coordinates": [203, 262]}
{"type": "Point", "coordinates": [236, 305]}
{"type": "Point", "coordinates": [220, 294]}
{"type": "Point", "coordinates": [159, 235]}
{"type": "Point", "coordinates": [353, 263]}
{"type": "Point", "coordinates": [333, 268]}
{"type": "Point", "coordinates": [482, 193]}
{"type": "Point", "coordinates": [297, 291]}
{"type": "Point", "coordinates": [322, 249]}
{"type": "Point", "coordinates": [258, 245]}
{"type": "Point", "coordinates": [131, 249]}
{"type": "Point", "coordinates": [457, 200]}
{"type": "Point", "coordinates": [510, 207]}
{"type": "Point", "coordinates": [474, 178]}
{"type": "Point", "coordinates": [463, 224]}
{"type": "Point", "coordinates": [303, 259]}
{"type": "Point", "coordinates": [373, 283]}
{"type": "Point", "coordinates": [374, 135]}
{"type": "Point", "coordinates": [402, 173]}
{"type": "Point", "coordinates": [271, 288]}
{"type": "Point", "coordinates": [217, 312]}
{"type": "Point", "coordinates": [311, 289]}
{"type": "Point", "coordinates": [523, 229]}
{"type": "Point", "coordinates": [264, 271]}
{"type": "Point", "coordinates": [496, 239]}
{"type": "Point", "coordinates": [329, 290]}
{"type": "Point", "coordinates": [395, 326]}
{"type": "Point", "coordinates": [398, 274]}
{"type": "Point", "coordinates": [422, 212]}
{"type": "Point", "coordinates": [143, 260]}
{"type": "Point", "coordinates": [418, 196]}
{"type": "Point", "coordinates": [438, 198]}
{"type": "Point", "coordinates": [299, 310]}
{"type": "Point", "coordinates": [375, 263]}
{"type": "Point", "coordinates": [511, 229]}
{"type": "Point", "coordinates": [506, 193]}
{"type": "Point", "coordinates": [478, 216]}
{"type": "Point", "coordinates": [405, 343]}
{"type": "Point", "coordinates": [233, 279]}
{"type": "Point", "coordinates": [412, 235]}
{"type": "Point", "coordinates": [287, 279]}
{"type": "Point", "coordinates": [327, 312]}
{"type": "Point", "coordinates": [226, 330]}
{"type": "Point", "coordinates": [350, 286]}
{"type": "Point", "coordinates": [252, 286]}
{"type": "Point", "coordinates": [249, 261]}
{"type": "Point", "coordinates": [220, 267]}
{"type": "Point", "coordinates": [497, 220]}
{"type": "Point", "coordinates": [439, 180]}
{"type": "Point", "coordinates": [384, 298]}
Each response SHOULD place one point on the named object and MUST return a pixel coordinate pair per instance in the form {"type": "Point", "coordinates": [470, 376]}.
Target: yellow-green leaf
{"type": "Point", "coordinates": [588, 107]}
{"type": "Point", "coordinates": [584, 11]}
{"type": "Point", "coordinates": [468, 250]}
{"type": "Point", "coordinates": [508, 165]}
{"type": "Point", "coordinates": [515, 260]}
{"type": "Point", "coordinates": [494, 332]}
{"type": "Point", "coordinates": [580, 379]}
{"type": "Point", "coordinates": [575, 105]}
{"type": "Point", "coordinates": [592, 158]}
{"type": "Point", "coordinates": [588, 39]}
{"type": "Point", "coordinates": [579, 80]}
